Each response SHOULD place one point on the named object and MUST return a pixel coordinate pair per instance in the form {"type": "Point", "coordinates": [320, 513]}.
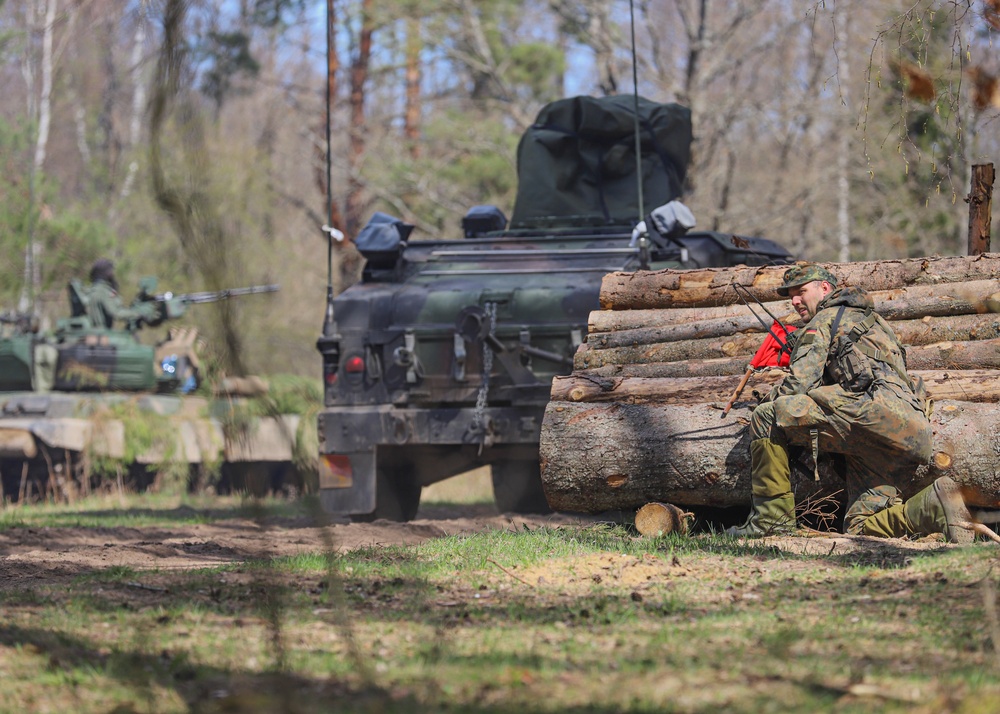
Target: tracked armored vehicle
{"type": "Point", "coordinates": [441, 359]}
{"type": "Point", "coordinates": [87, 402]}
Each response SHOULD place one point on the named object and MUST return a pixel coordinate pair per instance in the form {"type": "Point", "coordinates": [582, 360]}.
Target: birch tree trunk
{"type": "Point", "coordinates": [32, 273]}
{"type": "Point", "coordinates": [843, 156]}
{"type": "Point", "coordinates": [135, 120]}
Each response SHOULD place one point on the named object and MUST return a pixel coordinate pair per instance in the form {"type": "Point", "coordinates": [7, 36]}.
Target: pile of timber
{"type": "Point", "coordinates": [640, 418]}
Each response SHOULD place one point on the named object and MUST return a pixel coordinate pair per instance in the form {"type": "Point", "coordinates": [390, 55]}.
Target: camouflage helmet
{"type": "Point", "coordinates": [802, 274]}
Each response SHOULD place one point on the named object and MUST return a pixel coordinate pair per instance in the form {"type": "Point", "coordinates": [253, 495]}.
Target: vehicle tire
{"type": "Point", "coordinates": [397, 497]}
{"type": "Point", "coordinates": [517, 487]}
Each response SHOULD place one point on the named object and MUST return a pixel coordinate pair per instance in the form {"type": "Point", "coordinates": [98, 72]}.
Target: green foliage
{"type": "Point", "coordinates": [145, 433]}
{"type": "Point", "coordinates": [70, 238]}
{"type": "Point", "coordinates": [287, 394]}
{"type": "Point", "coordinates": [72, 243]}
{"type": "Point", "coordinates": [917, 187]}
{"type": "Point", "coordinates": [499, 63]}
{"type": "Point", "coordinates": [15, 207]}
{"type": "Point", "coordinates": [292, 394]}
{"type": "Point", "coordinates": [468, 162]}
{"type": "Point", "coordinates": [229, 58]}
{"type": "Point", "coordinates": [536, 65]}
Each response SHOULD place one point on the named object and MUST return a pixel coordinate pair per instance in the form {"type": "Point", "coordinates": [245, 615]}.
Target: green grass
{"type": "Point", "coordinates": [144, 510]}
{"type": "Point", "coordinates": [582, 619]}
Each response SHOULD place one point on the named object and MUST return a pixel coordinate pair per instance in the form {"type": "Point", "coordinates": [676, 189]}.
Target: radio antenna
{"type": "Point", "coordinates": [332, 234]}
{"type": "Point", "coordinates": [635, 86]}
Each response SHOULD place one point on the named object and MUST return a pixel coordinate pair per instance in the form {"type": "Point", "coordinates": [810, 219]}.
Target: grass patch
{"type": "Point", "coordinates": [578, 619]}
{"type": "Point", "coordinates": [145, 510]}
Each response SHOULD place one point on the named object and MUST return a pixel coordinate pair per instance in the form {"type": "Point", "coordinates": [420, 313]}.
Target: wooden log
{"type": "Point", "coordinates": [974, 385]}
{"type": "Point", "coordinates": [915, 301]}
{"type": "Point", "coordinates": [578, 387]}
{"type": "Point", "coordinates": [713, 347]}
{"type": "Point", "coordinates": [714, 286]}
{"type": "Point", "coordinates": [689, 368]}
{"type": "Point", "coordinates": [718, 327]}
{"type": "Point", "coordinates": [973, 354]}
{"type": "Point", "coordinates": [926, 331]}
{"type": "Point", "coordinates": [967, 354]}
{"type": "Point", "coordinates": [603, 457]}
{"type": "Point", "coordinates": [614, 320]}
{"type": "Point", "coordinates": [657, 519]}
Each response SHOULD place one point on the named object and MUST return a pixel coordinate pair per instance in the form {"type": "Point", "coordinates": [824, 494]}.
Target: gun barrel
{"type": "Point", "coordinates": [252, 290]}
{"type": "Point", "coordinates": [195, 298]}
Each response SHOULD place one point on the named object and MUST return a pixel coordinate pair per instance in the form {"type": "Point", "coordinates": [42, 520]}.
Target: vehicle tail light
{"type": "Point", "coordinates": [354, 365]}
{"type": "Point", "coordinates": [335, 471]}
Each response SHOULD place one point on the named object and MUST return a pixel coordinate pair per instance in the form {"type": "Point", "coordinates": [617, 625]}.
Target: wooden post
{"type": "Point", "coordinates": [980, 200]}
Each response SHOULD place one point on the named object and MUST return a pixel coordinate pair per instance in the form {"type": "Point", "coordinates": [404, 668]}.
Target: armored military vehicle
{"type": "Point", "coordinates": [441, 359]}
{"type": "Point", "coordinates": [86, 398]}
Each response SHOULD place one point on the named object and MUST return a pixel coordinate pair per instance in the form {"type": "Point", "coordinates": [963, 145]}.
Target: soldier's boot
{"type": "Point", "coordinates": [770, 516]}
{"type": "Point", "coordinates": [773, 502]}
{"type": "Point", "coordinates": [939, 508]}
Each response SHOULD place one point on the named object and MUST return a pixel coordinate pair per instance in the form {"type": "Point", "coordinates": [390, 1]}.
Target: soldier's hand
{"type": "Point", "coordinates": [153, 313]}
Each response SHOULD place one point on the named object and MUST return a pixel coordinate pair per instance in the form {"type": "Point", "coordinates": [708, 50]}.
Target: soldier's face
{"type": "Point", "coordinates": [805, 298]}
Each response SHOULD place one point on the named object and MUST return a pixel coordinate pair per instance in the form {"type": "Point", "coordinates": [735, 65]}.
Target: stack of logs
{"type": "Point", "coordinates": [640, 418]}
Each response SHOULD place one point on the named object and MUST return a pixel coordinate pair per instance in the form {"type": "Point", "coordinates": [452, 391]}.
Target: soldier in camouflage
{"type": "Point", "coordinates": [847, 392]}
{"type": "Point", "coordinates": [104, 305]}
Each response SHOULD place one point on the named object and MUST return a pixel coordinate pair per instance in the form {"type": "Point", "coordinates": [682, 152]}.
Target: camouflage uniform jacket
{"type": "Point", "coordinates": [810, 356]}
{"type": "Point", "coordinates": [889, 413]}
{"type": "Point", "coordinates": [104, 306]}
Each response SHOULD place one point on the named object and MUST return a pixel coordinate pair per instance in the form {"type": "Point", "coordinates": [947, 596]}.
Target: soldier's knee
{"type": "Point", "coordinates": [762, 424]}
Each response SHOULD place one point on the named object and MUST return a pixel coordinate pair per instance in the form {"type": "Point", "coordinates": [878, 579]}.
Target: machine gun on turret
{"type": "Point", "coordinates": [193, 298]}
{"type": "Point", "coordinates": [94, 356]}
{"type": "Point", "coordinates": [173, 305]}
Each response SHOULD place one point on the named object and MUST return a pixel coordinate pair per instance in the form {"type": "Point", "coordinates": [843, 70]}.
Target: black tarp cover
{"type": "Point", "coordinates": [576, 164]}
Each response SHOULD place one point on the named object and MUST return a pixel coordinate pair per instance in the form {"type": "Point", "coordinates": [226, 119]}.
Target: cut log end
{"type": "Point", "coordinates": [657, 519]}
{"type": "Point", "coordinates": [942, 460]}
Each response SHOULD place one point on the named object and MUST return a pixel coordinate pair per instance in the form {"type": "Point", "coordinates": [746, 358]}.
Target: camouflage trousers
{"type": "Point", "coordinates": [883, 435]}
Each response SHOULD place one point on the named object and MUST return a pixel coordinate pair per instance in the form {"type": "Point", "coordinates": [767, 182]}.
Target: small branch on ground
{"type": "Point", "coordinates": [490, 560]}
{"type": "Point", "coordinates": [979, 528]}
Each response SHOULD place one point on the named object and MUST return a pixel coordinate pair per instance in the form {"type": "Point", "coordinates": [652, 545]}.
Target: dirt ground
{"type": "Point", "coordinates": [37, 557]}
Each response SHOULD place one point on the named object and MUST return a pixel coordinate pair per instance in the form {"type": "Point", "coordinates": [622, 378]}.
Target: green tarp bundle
{"type": "Point", "coordinates": [576, 164]}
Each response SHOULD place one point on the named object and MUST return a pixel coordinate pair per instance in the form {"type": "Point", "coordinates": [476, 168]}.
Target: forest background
{"type": "Point", "coordinates": [188, 138]}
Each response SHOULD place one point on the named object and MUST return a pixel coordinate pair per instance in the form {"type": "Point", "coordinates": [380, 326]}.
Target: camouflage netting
{"type": "Point", "coordinates": [576, 164]}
